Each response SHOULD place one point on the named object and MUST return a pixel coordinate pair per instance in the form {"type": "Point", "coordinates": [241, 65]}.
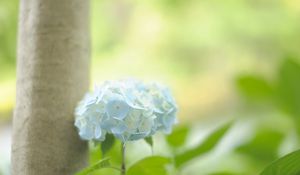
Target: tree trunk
{"type": "Point", "coordinates": [52, 76]}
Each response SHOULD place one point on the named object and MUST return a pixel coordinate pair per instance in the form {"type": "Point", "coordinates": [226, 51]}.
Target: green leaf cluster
{"type": "Point", "coordinates": [156, 165]}
{"type": "Point", "coordinates": [207, 145]}
{"type": "Point", "coordinates": [287, 165]}
{"type": "Point", "coordinates": [283, 94]}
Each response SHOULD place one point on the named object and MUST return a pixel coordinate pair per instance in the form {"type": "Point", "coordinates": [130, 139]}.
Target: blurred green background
{"type": "Point", "coordinates": [224, 60]}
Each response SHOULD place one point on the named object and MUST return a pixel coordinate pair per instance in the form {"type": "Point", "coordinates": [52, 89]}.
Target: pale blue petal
{"type": "Point", "coordinates": [98, 132]}
{"type": "Point", "coordinates": [86, 133]}
{"type": "Point", "coordinates": [117, 108]}
{"type": "Point", "coordinates": [129, 109]}
{"type": "Point", "coordinates": [119, 128]}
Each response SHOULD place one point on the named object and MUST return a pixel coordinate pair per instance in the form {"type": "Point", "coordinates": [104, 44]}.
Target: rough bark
{"type": "Point", "coordinates": [52, 75]}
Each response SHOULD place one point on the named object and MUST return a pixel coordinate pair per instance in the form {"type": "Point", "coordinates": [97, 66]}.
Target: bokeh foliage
{"type": "Point", "coordinates": [223, 59]}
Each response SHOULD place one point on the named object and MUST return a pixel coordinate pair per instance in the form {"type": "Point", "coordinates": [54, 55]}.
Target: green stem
{"type": "Point", "coordinates": [123, 166]}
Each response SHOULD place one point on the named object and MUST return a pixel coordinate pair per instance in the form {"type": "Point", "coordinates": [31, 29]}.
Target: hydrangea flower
{"type": "Point", "coordinates": [128, 109]}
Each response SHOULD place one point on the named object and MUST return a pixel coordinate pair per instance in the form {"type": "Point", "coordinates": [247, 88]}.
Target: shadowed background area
{"type": "Point", "coordinates": [224, 60]}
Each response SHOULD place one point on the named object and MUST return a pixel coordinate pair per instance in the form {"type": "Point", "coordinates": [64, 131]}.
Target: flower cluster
{"type": "Point", "coordinates": [128, 109]}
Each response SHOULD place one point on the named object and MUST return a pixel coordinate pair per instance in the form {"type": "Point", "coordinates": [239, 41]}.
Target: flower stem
{"type": "Point", "coordinates": [123, 166]}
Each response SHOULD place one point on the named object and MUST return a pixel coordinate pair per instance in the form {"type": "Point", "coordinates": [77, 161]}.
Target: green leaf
{"type": "Point", "coordinates": [149, 140]}
{"type": "Point", "coordinates": [104, 163]}
{"type": "Point", "coordinates": [254, 88]}
{"type": "Point", "coordinates": [107, 144]}
{"type": "Point", "coordinates": [94, 153]}
{"type": "Point", "coordinates": [264, 145]}
{"type": "Point", "coordinates": [154, 165]}
{"type": "Point", "coordinates": [209, 143]}
{"type": "Point", "coordinates": [287, 165]}
{"type": "Point", "coordinates": [223, 173]}
{"type": "Point", "coordinates": [178, 137]}
{"type": "Point", "coordinates": [289, 89]}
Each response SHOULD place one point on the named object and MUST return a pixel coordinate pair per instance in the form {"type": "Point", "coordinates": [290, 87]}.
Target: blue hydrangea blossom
{"type": "Point", "coordinates": [128, 109]}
